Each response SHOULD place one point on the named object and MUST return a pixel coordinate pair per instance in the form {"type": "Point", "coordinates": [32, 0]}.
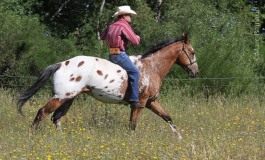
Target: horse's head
{"type": "Point", "coordinates": [187, 58]}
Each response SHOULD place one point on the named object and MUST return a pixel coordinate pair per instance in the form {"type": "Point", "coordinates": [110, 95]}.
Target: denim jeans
{"type": "Point", "coordinates": [124, 61]}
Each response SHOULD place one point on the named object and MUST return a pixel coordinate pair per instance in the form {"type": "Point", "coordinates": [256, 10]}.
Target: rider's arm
{"type": "Point", "coordinates": [130, 35]}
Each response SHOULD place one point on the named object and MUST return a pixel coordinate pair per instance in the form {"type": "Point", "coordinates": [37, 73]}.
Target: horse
{"type": "Point", "coordinates": [108, 82]}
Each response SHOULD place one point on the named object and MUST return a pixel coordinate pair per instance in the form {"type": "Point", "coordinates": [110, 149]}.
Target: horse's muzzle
{"type": "Point", "coordinates": [193, 70]}
{"type": "Point", "coordinates": [193, 75]}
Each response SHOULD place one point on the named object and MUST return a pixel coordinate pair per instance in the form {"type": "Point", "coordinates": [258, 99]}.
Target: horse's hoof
{"type": "Point", "coordinates": [132, 126]}
{"type": "Point", "coordinates": [34, 128]}
{"type": "Point", "coordinates": [59, 129]}
{"type": "Point", "coordinates": [179, 136]}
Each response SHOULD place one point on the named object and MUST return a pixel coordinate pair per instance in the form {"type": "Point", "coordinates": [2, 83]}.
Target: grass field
{"type": "Point", "coordinates": [219, 128]}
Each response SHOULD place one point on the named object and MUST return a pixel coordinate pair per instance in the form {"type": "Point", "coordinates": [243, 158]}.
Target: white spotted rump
{"type": "Point", "coordinates": [100, 76]}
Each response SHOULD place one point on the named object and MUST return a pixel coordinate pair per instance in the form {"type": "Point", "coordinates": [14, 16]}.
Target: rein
{"type": "Point", "coordinates": [183, 50]}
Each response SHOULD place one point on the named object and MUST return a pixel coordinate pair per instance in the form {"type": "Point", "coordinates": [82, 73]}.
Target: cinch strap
{"type": "Point", "coordinates": [114, 50]}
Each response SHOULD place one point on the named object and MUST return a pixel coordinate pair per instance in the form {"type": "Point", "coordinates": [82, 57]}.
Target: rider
{"type": "Point", "coordinates": [117, 36]}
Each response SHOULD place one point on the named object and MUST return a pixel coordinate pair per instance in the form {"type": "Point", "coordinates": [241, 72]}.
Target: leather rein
{"type": "Point", "coordinates": [183, 50]}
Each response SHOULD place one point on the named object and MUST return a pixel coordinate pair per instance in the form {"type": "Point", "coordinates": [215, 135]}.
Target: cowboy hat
{"type": "Point", "coordinates": [124, 10]}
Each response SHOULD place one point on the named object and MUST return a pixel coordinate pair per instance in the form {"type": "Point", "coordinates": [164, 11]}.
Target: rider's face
{"type": "Point", "coordinates": [128, 17]}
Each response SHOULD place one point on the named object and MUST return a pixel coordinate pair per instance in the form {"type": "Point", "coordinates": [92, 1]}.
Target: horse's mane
{"type": "Point", "coordinates": [159, 46]}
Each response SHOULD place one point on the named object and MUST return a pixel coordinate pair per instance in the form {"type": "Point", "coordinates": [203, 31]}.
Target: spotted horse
{"type": "Point", "coordinates": [108, 82]}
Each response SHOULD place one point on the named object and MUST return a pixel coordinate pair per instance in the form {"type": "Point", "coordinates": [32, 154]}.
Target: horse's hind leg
{"type": "Point", "coordinates": [60, 112]}
{"type": "Point", "coordinates": [157, 109]}
{"type": "Point", "coordinates": [50, 107]}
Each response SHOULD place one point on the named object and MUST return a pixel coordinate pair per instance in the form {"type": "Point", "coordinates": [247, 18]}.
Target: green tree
{"type": "Point", "coordinates": [26, 46]}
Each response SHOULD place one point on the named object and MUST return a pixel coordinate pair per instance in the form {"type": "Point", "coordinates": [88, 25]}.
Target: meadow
{"type": "Point", "coordinates": [215, 128]}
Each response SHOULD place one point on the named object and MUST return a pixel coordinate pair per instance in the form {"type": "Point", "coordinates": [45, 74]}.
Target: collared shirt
{"type": "Point", "coordinates": [118, 34]}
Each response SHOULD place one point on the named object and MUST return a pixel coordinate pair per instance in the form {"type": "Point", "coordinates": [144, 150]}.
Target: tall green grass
{"type": "Point", "coordinates": [214, 128]}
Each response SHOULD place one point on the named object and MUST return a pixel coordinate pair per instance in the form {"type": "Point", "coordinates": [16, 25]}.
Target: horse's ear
{"type": "Point", "coordinates": [184, 36]}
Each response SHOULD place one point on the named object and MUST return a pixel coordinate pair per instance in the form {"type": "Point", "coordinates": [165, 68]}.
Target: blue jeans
{"type": "Point", "coordinates": [124, 61]}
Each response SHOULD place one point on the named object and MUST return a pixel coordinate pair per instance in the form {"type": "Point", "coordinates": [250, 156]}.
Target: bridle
{"type": "Point", "coordinates": [183, 50]}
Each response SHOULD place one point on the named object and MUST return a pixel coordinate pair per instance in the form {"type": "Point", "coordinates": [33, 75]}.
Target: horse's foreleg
{"type": "Point", "coordinates": [50, 107]}
{"type": "Point", "coordinates": [60, 112]}
{"type": "Point", "coordinates": [157, 109]}
{"type": "Point", "coordinates": [135, 112]}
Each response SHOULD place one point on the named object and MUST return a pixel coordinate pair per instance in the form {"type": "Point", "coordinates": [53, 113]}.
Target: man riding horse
{"type": "Point", "coordinates": [117, 36]}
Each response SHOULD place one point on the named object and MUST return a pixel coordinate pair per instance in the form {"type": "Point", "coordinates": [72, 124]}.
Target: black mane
{"type": "Point", "coordinates": [159, 46]}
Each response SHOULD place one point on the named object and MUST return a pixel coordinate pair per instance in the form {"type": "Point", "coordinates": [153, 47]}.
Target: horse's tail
{"type": "Point", "coordinates": [43, 77]}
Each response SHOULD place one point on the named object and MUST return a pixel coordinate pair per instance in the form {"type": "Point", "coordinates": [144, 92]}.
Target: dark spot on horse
{"type": "Point", "coordinates": [106, 76]}
{"type": "Point", "coordinates": [96, 59]}
{"type": "Point", "coordinates": [71, 75]}
{"type": "Point", "coordinates": [99, 72]}
{"type": "Point", "coordinates": [100, 95]}
{"type": "Point", "coordinates": [80, 63]}
{"type": "Point", "coordinates": [67, 62]}
{"type": "Point", "coordinates": [111, 81]}
{"type": "Point", "coordinates": [122, 78]}
{"type": "Point", "coordinates": [72, 79]}
{"type": "Point", "coordinates": [78, 78]}
{"type": "Point", "coordinates": [92, 87]}
{"type": "Point", "coordinates": [118, 71]}
{"type": "Point", "coordinates": [119, 96]}
{"type": "Point", "coordinates": [67, 94]}
{"type": "Point", "coordinates": [108, 91]}
{"type": "Point", "coordinates": [106, 87]}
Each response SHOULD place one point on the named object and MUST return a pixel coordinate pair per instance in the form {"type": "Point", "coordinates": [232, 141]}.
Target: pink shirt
{"type": "Point", "coordinates": [118, 34]}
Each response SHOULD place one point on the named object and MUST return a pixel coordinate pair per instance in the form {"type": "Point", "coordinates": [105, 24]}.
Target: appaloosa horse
{"type": "Point", "coordinates": [107, 82]}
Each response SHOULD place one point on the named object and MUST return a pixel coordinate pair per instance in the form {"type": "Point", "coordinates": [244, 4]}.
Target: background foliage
{"type": "Point", "coordinates": [227, 35]}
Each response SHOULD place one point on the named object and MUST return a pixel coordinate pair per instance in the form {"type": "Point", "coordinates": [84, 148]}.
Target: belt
{"type": "Point", "coordinates": [114, 51]}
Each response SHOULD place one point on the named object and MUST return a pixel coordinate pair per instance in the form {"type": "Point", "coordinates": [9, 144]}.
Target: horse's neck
{"type": "Point", "coordinates": [162, 61]}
